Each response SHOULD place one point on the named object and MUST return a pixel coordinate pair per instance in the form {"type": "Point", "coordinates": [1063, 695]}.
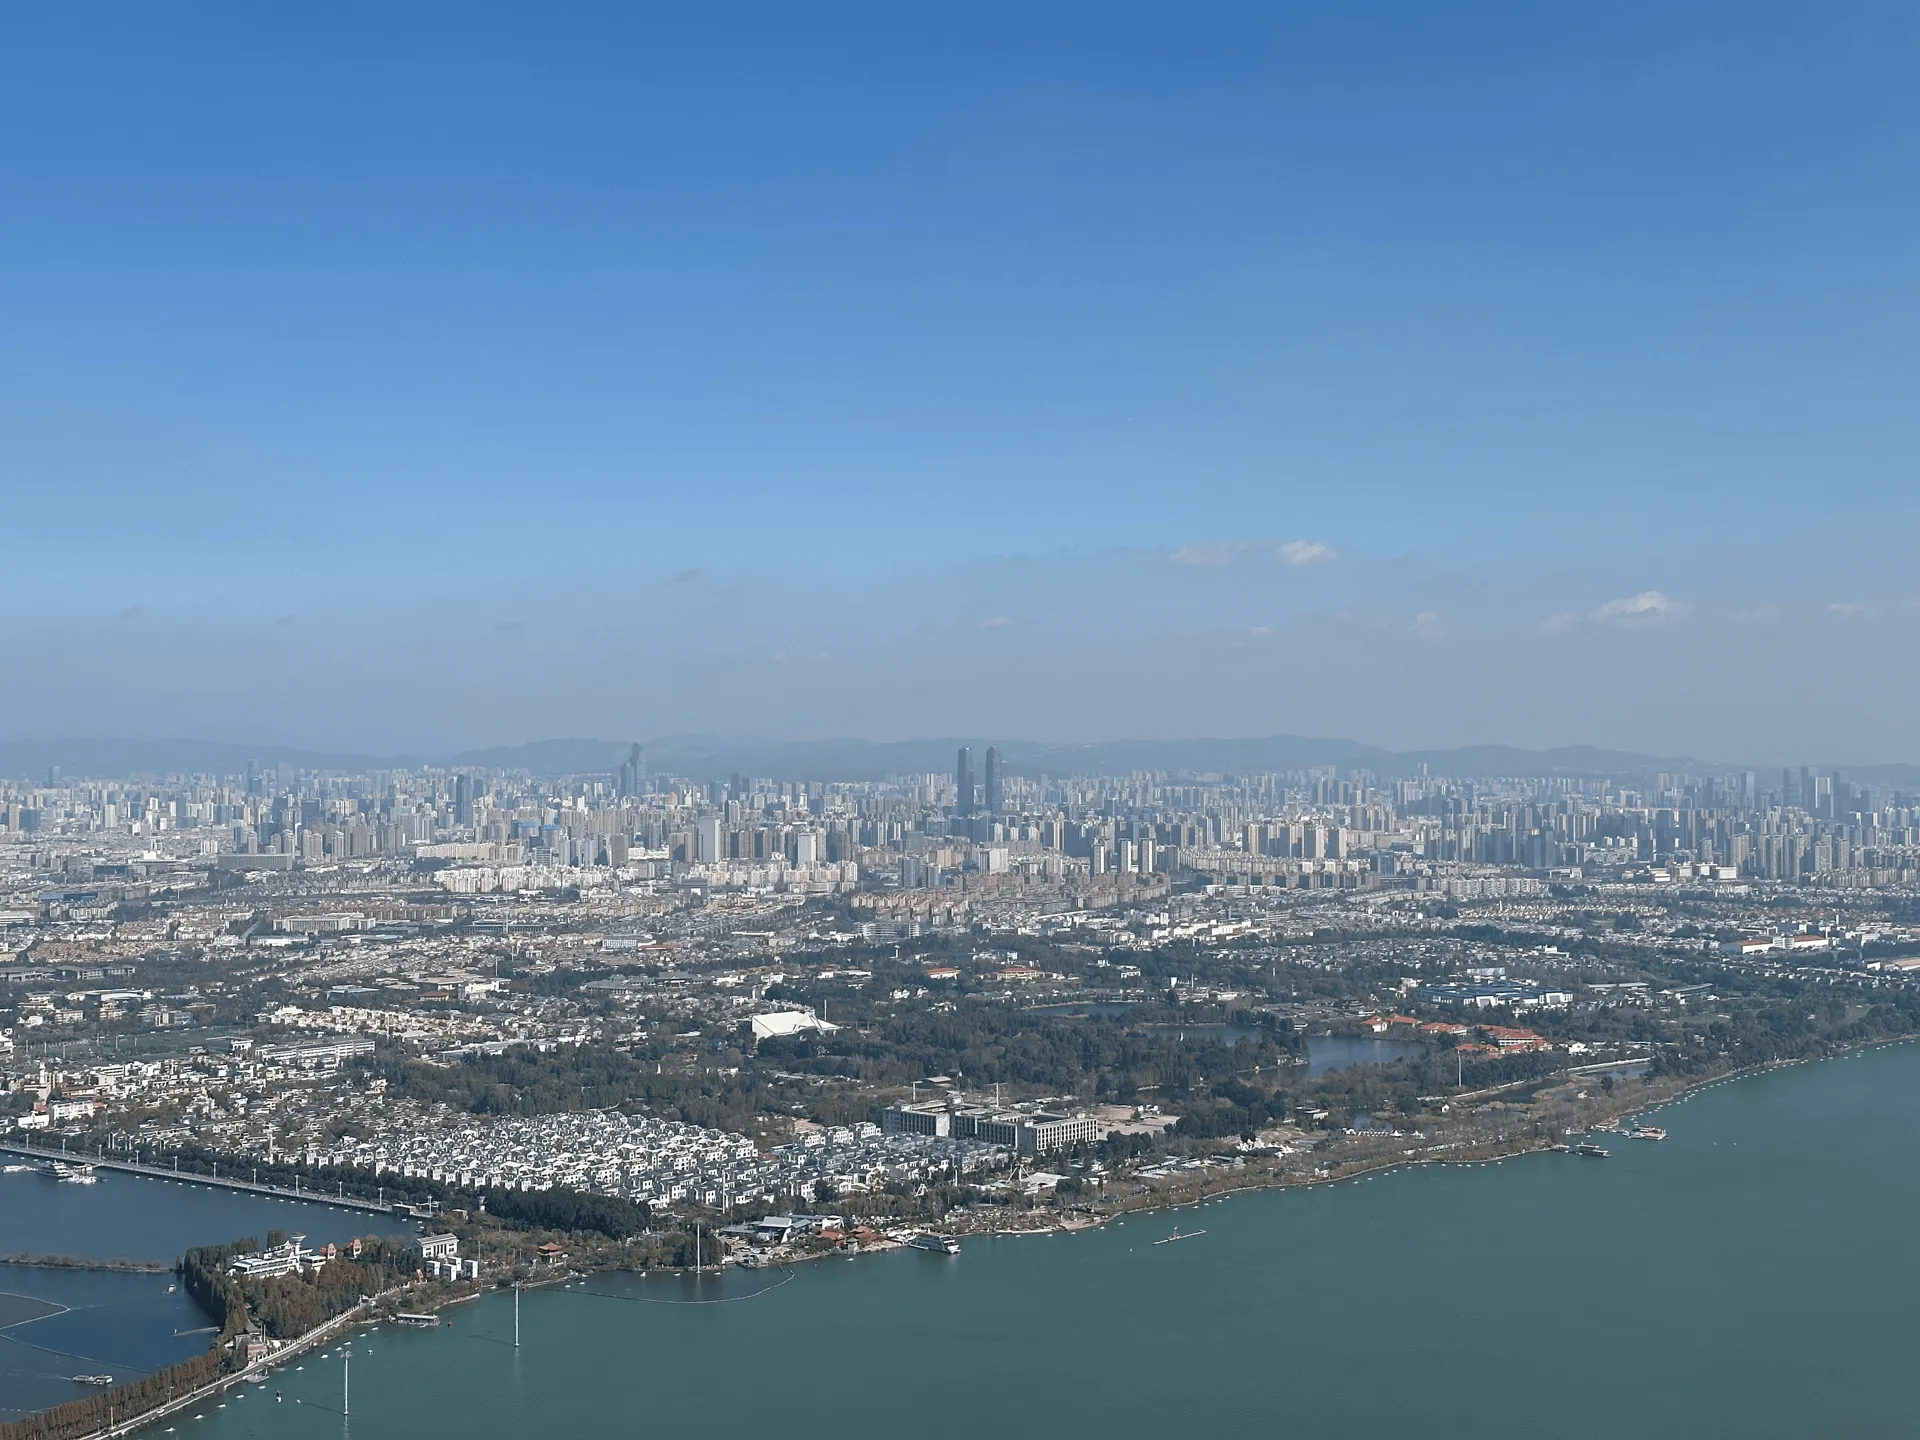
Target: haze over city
{"type": "Point", "coordinates": [1056, 718]}
{"type": "Point", "coordinates": [403, 381]}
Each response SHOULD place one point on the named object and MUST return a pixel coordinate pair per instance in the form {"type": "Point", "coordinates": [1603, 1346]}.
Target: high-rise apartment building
{"type": "Point", "coordinates": [996, 789]}
{"type": "Point", "coordinates": [963, 782]}
{"type": "Point", "coordinates": [633, 774]}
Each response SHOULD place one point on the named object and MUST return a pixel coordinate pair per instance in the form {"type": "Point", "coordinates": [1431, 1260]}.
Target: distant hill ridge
{"type": "Point", "coordinates": [707, 756]}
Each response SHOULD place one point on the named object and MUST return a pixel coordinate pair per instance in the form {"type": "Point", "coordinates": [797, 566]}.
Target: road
{"type": "Point", "coordinates": [188, 1177]}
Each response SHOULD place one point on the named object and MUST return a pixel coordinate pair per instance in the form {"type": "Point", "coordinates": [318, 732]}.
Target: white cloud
{"type": "Point", "coordinates": [998, 622]}
{"type": "Point", "coordinates": [1649, 607]}
{"type": "Point", "coordinates": [1429, 625]}
{"type": "Point", "coordinates": [1305, 552]}
{"type": "Point", "coordinates": [1261, 632]}
{"type": "Point", "coordinates": [1849, 610]}
{"type": "Point", "coordinates": [1211, 557]}
{"type": "Point", "coordinates": [1560, 620]}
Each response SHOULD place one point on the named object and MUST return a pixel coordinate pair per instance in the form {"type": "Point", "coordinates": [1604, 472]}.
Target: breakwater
{"type": "Point", "coordinates": [305, 1196]}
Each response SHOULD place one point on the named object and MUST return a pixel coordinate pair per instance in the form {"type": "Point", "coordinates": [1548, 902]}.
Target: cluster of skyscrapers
{"type": "Point", "coordinates": [1313, 828]}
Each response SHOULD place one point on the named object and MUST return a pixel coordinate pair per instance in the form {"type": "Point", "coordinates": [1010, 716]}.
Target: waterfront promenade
{"type": "Point", "coordinates": [292, 1350]}
{"type": "Point", "coordinates": [340, 1201]}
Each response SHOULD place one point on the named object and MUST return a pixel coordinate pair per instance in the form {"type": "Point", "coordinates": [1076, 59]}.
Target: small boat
{"type": "Point", "coordinates": [938, 1244]}
{"type": "Point", "coordinates": [1647, 1132]}
{"type": "Point", "coordinates": [93, 1379]}
{"type": "Point", "coordinates": [1179, 1234]}
{"type": "Point", "coordinates": [74, 1174]}
{"type": "Point", "coordinates": [1591, 1150]}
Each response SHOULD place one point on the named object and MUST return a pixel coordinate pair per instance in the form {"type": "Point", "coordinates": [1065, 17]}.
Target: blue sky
{"type": "Point", "coordinates": [449, 374]}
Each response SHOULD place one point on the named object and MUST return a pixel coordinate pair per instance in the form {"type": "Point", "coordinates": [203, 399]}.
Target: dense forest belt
{"type": "Point", "coordinates": [81, 1262]}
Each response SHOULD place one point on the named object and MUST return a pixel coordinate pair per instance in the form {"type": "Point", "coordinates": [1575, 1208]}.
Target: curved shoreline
{"type": "Point", "coordinates": [358, 1316]}
{"type": "Point", "coordinates": [1387, 1165]}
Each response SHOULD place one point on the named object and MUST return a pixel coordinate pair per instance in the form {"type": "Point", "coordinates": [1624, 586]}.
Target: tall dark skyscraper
{"type": "Point", "coordinates": [963, 782]}
{"type": "Point", "coordinates": [463, 799]}
{"type": "Point", "coordinates": [996, 791]}
{"type": "Point", "coordinates": [633, 773]}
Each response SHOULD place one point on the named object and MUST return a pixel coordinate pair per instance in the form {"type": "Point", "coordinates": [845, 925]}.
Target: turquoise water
{"type": "Point", "coordinates": [1752, 1276]}
{"type": "Point", "coordinates": [55, 1324]}
{"type": "Point", "coordinates": [131, 1217]}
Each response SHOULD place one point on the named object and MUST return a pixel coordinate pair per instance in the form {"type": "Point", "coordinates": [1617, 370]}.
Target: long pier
{"type": "Point", "coordinates": [218, 1182]}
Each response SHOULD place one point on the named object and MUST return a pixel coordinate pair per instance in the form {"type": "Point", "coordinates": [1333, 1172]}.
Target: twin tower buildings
{"type": "Point", "coordinates": [966, 803]}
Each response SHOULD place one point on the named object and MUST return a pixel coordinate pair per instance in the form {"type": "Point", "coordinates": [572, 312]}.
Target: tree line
{"type": "Point", "coordinates": [557, 1209]}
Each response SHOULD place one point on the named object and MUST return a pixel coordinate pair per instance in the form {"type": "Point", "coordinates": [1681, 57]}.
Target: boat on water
{"type": "Point", "coordinates": [938, 1244]}
{"type": "Point", "coordinates": [92, 1379]}
{"type": "Point", "coordinates": [1179, 1234]}
{"type": "Point", "coordinates": [74, 1174]}
{"type": "Point", "coordinates": [1591, 1150]}
{"type": "Point", "coordinates": [1647, 1132]}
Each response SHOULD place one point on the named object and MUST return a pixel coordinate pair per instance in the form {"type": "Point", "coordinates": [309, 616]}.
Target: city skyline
{"type": "Point", "coordinates": [626, 765]}
{"type": "Point", "coordinates": [666, 653]}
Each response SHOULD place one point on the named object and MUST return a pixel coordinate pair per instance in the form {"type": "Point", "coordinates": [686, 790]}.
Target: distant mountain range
{"type": "Point", "coordinates": [709, 757]}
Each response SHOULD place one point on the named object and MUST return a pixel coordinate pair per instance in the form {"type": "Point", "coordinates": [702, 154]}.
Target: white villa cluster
{"type": "Point", "coordinates": [662, 1161]}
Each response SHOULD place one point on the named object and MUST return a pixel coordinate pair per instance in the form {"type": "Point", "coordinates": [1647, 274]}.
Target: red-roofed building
{"type": "Point", "coordinates": [1506, 1038]}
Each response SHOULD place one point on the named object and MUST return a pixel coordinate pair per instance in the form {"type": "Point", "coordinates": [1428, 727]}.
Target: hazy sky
{"type": "Point", "coordinates": [414, 376]}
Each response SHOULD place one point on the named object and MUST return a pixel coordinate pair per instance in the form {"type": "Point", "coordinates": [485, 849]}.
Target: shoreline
{"type": "Point", "coordinates": [1611, 1115]}
{"type": "Point", "coordinates": [243, 1376]}
{"type": "Point", "coordinates": [31, 1151]}
{"type": "Point", "coordinates": [257, 1373]}
{"type": "Point", "coordinates": [1160, 1205]}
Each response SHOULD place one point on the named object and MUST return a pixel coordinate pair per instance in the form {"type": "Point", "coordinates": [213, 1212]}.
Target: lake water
{"type": "Point", "coordinates": [1341, 1052]}
{"type": "Point", "coordinates": [1752, 1276]}
{"type": "Point", "coordinates": [55, 1324]}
